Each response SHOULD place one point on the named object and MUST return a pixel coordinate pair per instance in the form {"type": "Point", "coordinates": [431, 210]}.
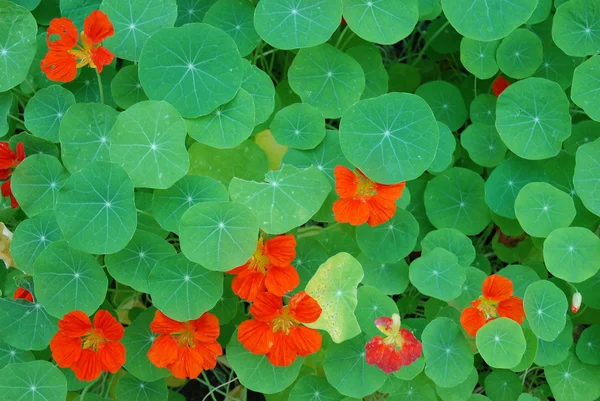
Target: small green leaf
{"type": "Point", "coordinates": [520, 54]}
{"type": "Point", "coordinates": [299, 126]}
{"type": "Point", "coordinates": [451, 240]}
{"type": "Point", "coordinates": [437, 274]}
{"type": "Point", "coordinates": [501, 343]}
{"type": "Point", "coordinates": [576, 28]}
{"type": "Point", "coordinates": [572, 254]}
{"type": "Point", "coordinates": [546, 309]}
{"type": "Point", "coordinates": [45, 111]}
{"type": "Point", "coordinates": [588, 346]}
{"type": "Point", "coordinates": [445, 101]}
{"type": "Point", "coordinates": [479, 58]}
{"type": "Point", "coordinates": [314, 388]}
{"type": "Point", "coordinates": [587, 175]}
{"type": "Point", "coordinates": [483, 144]}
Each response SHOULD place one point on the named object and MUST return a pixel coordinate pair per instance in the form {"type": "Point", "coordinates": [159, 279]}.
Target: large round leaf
{"type": "Point", "coordinates": [95, 208]}
{"type": "Point", "coordinates": [299, 126]}
{"type": "Point", "coordinates": [437, 274]}
{"type": "Point", "coordinates": [218, 235]}
{"type": "Point", "coordinates": [572, 254]}
{"type": "Point", "coordinates": [134, 21]}
{"type": "Point", "coordinates": [66, 279]}
{"type": "Point", "coordinates": [573, 380]}
{"type": "Point", "coordinates": [45, 111]}
{"type": "Point", "coordinates": [501, 343]}
{"type": "Point", "coordinates": [32, 381]}
{"type": "Point", "coordinates": [236, 18]}
{"type": "Point", "coordinates": [289, 197]}
{"type": "Point", "coordinates": [532, 118]}
{"type": "Point", "coordinates": [520, 54]}
{"type": "Point", "coordinates": [26, 325]}
{"type": "Point", "coordinates": [148, 141]}
{"type": "Point", "coordinates": [195, 67]}
{"type": "Point", "coordinates": [326, 78]}
{"type": "Point", "coordinates": [293, 24]}
{"type": "Point", "coordinates": [546, 309]}
{"type": "Point", "coordinates": [576, 28]}
{"type": "Point", "coordinates": [587, 175]}
{"type": "Point", "coordinates": [391, 138]}
{"type": "Point", "coordinates": [586, 87]}
{"type": "Point", "coordinates": [445, 101]}
{"type": "Point", "coordinates": [483, 144]}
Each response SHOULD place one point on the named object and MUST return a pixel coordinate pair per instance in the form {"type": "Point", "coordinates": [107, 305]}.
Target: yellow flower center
{"type": "Point", "coordinates": [92, 340]}
{"type": "Point", "coordinates": [283, 322]}
{"type": "Point", "coordinates": [259, 261]}
{"type": "Point", "coordinates": [365, 188]}
{"type": "Point", "coordinates": [394, 339]}
{"type": "Point", "coordinates": [488, 307]}
{"type": "Point", "coordinates": [186, 338]}
{"type": "Point", "coordinates": [83, 53]}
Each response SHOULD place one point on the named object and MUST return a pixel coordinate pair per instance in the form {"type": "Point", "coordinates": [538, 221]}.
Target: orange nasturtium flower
{"type": "Point", "coordinates": [269, 269]}
{"type": "Point", "coordinates": [22, 293]}
{"type": "Point", "coordinates": [277, 331]}
{"type": "Point", "coordinates": [65, 55]}
{"type": "Point", "coordinates": [185, 348]}
{"type": "Point", "coordinates": [89, 349]}
{"type": "Point", "coordinates": [10, 159]}
{"type": "Point", "coordinates": [497, 301]}
{"type": "Point", "coordinates": [362, 200]}
{"type": "Point", "coordinates": [499, 85]}
{"type": "Point", "coordinates": [399, 347]}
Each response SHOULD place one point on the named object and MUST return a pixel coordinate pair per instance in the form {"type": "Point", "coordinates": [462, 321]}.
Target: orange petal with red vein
{"type": "Point", "coordinates": [266, 307]}
{"type": "Point", "coordinates": [207, 327]}
{"type": "Point", "coordinates": [163, 351]}
{"type": "Point", "coordinates": [281, 279]}
{"type": "Point", "coordinates": [353, 211]}
{"type": "Point", "coordinates": [304, 308]}
{"type": "Point", "coordinates": [88, 367]}
{"type": "Point", "coordinates": [257, 337]}
{"type": "Point", "coordinates": [101, 57]}
{"type": "Point", "coordinates": [111, 329]}
{"type": "Point", "coordinates": [472, 319]}
{"type": "Point", "coordinates": [75, 324]}
{"type": "Point", "coordinates": [306, 341]}
{"type": "Point", "coordinates": [282, 353]}
{"type": "Point", "coordinates": [65, 350]}
{"type": "Point", "coordinates": [512, 308]}
{"type": "Point", "coordinates": [65, 30]}
{"type": "Point", "coordinates": [391, 192]}
{"type": "Point", "coordinates": [380, 210]}
{"type": "Point", "coordinates": [97, 27]}
{"type": "Point", "coordinates": [280, 250]}
{"type": "Point", "coordinates": [497, 288]}
{"type": "Point", "coordinates": [59, 66]}
{"type": "Point", "coordinates": [162, 324]}
{"type": "Point", "coordinates": [248, 284]}
{"type": "Point", "coordinates": [112, 356]}
{"type": "Point", "coordinates": [346, 182]}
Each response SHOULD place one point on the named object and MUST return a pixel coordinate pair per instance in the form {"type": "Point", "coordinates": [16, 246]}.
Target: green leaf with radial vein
{"type": "Point", "coordinates": [573, 380]}
{"type": "Point", "coordinates": [36, 182]}
{"type": "Point", "coordinates": [502, 385]}
{"type": "Point", "coordinates": [391, 138]}
{"type": "Point", "coordinates": [66, 279]}
{"type": "Point", "coordinates": [195, 68]}
{"type": "Point", "coordinates": [314, 388]}
{"type": "Point", "coordinates": [299, 126]}
{"type": "Point", "coordinates": [586, 86]}
{"type": "Point", "coordinates": [45, 111]}
{"type": "Point", "coordinates": [327, 78]}
{"type": "Point", "coordinates": [126, 87]}
{"type": "Point", "coordinates": [479, 58]}
{"type": "Point", "coordinates": [372, 304]}
{"type": "Point", "coordinates": [10, 355]}
{"type": "Point", "coordinates": [445, 101]}
{"type": "Point", "coordinates": [192, 10]}
{"type": "Point", "coordinates": [333, 286]}
{"type": "Point", "coordinates": [572, 254]}
{"type": "Point", "coordinates": [501, 343]}
{"type": "Point", "coordinates": [532, 118]}
{"type": "Point", "coordinates": [587, 175]}
{"type": "Point", "coordinates": [227, 126]}
{"type": "Point", "coordinates": [289, 197]}
{"type": "Point", "coordinates": [130, 388]}
{"type": "Point", "coordinates": [218, 235]}
{"type": "Point", "coordinates": [18, 30]}
{"type": "Point", "coordinates": [148, 141]}
{"type": "Point", "coordinates": [520, 54]}
{"type": "Point", "coordinates": [84, 134]}
{"type": "Point", "coordinates": [389, 278]}
{"type": "Point", "coordinates": [132, 264]}
{"type": "Point", "coordinates": [294, 24]}
{"type": "Point", "coordinates": [451, 240]}
{"type": "Point", "coordinates": [576, 28]}
{"type": "Point", "coordinates": [487, 20]}
{"type": "Point", "coordinates": [260, 86]}
{"type": "Point", "coordinates": [546, 309]}
{"type": "Point", "coordinates": [557, 66]}
{"type": "Point", "coordinates": [32, 381]}
{"type": "Point", "coordinates": [26, 325]}
{"type": "Point", "coordinates": [96, 210]}
{"type": "Point", "coordinates": [381, 21]}
{"type": "Point", "coordinates": [438, 274]}
{"type": "Point", "coordinates": [236, 18]}
{"type": "Point", "coordinates": [483, 144]}
{"type": "Point", "coordinates": [134, 21]}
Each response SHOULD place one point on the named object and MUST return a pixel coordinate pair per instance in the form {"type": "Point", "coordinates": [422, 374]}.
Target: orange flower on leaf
{"type": "Point", "coordinates": [185, 348]}
{"type": "Point", "coordinates": [277, 331]}
{"type": "Point", "coordinates": [89, 349]}
{"type": "Point", "coordinates": [65, 55]}
{"type": "Point", "coordinates": [399, 347]}
{"type": "Point", "coordinates": [269, 269]}
{"type": "Point", "coordinates": [497, 301]}
{"type": "Point", "coordinates": [499, 85]}
{"type": "Point", "coordinates": [362, 200]}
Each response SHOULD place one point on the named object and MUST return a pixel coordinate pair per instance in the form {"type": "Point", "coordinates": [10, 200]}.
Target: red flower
{"type": "Point", "coordinates": [10, 159]}
{"type": "Point", "coordinates": [398, 348]}
{"type": "Point", "coordinates": [185, 348]}
{"type": "Point", "coordinates": [362, 200]}
{"type": "Point", "coordinates": [22, 293]}
{"type": "Point", "coordinates": [88, 350]}
{"type": "Point", "coordinates": [269, 269]}
{"type": "Point", "coordinates": [276, 330]}
{"type": "Point", "coordinates": [499, 85]}
{"type": "Point", "coordinates": [65, 55]}
{"type": "Point", "coordinates": [497, 301]}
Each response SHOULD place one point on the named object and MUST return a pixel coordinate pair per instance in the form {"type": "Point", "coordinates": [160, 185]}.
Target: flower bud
{"type": "Point", "coordinates": [576, 302]}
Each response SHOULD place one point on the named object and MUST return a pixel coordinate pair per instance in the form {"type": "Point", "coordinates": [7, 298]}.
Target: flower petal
{"type": "Point", "coordinates": [101, 56]}
{"type": "Point", "coordinates": [411, 348]}
{"type": "Point", "coordinates": [248, 284]}
{"type": "Point", "coordinates": [109, 326]}
{"type": "Point", "coordinates": [497, 288]}
{"type": "Point", "coordinates": [163, 351]}
{"type": "Point", "coordinates": [391, 192]}
{"type": "Point", "coordinates": [257, 337]}
{"type": "Point", "coordinates": [380, 210]}
{"type": "Point", "coordinates": [65, 30]}
{"type": "Point", "coordinates": [97, 27]}
{"type": "Point", "coordinates": [346, 182]}
{"type": "Point", "coordinates": [20, 152]}
{"type": "Point", "coordinates": [7, 156]}
{"type": "Point", "coordinates": [499, 85]}
{"type": "Point", "coordinates": [22, 293]}
{"type": "Point", "coordinates": [472, 319]}
{"type": "Point", "coordinates": [374, 350]}
{"type": "Point", "coordinates": [188, 364]}
{"type": "Point", "coordinates": [283, 352]}
{"type": "Point", "coordinates": [65, 350]}
{"type": "Point", "coordinates": [280, 250]}
{"type": "Point", "coordinates": [512, 308]}
{"type": "Point", "coordinates": [59, 66]}
{"type": "Point", "coordinates": [306, 341]}
{"type": "Point", "coordinates": [162, 324]}
{"type": "Point", "coordinates": [266, 307]}
{"type": "Point", "coordinates": [88, 367]}
{"type": "Point", "coordinates": [75, 324]}
{"type": "Point", "coordinates": [353, 211]}
{"type": "Point", "coordinates": [207, 328]}
{"type": "Point", "coordinates": [281, 279]}
{"type": "Point", "coordinates": [112, 356]}
{"type": "Point", "coordinates": [304, 308]}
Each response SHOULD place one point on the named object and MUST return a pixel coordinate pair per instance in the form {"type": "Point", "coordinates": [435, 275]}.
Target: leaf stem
{"type": "Point", "coordinates": [100, 88]}
{"type": "Point", "coordinates": [428, 43]}
{"type": "Point", "coordinates": [16, 119]}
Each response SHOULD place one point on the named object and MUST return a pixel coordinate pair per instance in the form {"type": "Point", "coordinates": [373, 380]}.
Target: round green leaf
{"type": "Point", "coordinates": [137, 340]}
{"type": "Point", "coordinates": [26, 325]}
{"type": "Point", "coordinates": [287, 24]}
{"type": "Point", "coordinates": [45, 111]}
{"type": "Point", "coordinates": [260, 86]}
{"type": "Point", "coordinates": [576, 28]}
{"type": "Point", "coordinates": [437, 274]}
{"type": "Point", "coordinates": [333, 286]}
{"type": "Point", "coordinates": [546, 309]}
{"type": "Point", "coordinates": [84, 134]}
{"type": "Point", "coordinates": [557, 66]}
{"type": "Point", "coordinates": [326, 78]}
{"type": "Point", "coordinates": [126, 87]}
{"type": "Point", "coordinates": [487, 20]}
{"type": "Point", "coordinates": [347, 370]}
{"type": "Point", "coordinates": [182, 289]}
{"type": "Point", "coordinates": [386, 21]}
{"type": "Point", "coordinates": [573, 380]}
{"type": "Point", "coordinates": [417, 389]}
{"type": "Point", "coordinates": [391, 241]}
{"type": "Point", "coordinates": [483, 109]}
{"type": "Point", "coordinates": [36, 182]}
{"type": "Point", "coordinates": [95, 208]}
{"type": "Point", "coordinates": [501, 343]}
{"type": "Point", "coordinates": [445, 101]}
{"type": "Point", "coordinates": [299, 126]}
{"type": "Point", "coordinates": [451, 240]}
{"type": "Point", "coordinates": [587, 175]}
{"type": "Point", "coordinates": [18, 30]}
{"type": "Point", "coordinates": [32, 381]}
{"type": "Point", "coordinates": [532, 118]}
{"type": "Point", "coordinates": [10, 355]}
{"type": "Point", "coordinates": [461, 392]}
{"type": "Point", "coordinates": [455, 199]}
{"type": "Point", "coordinates": [288, 199]}
{"type": "Point", "coordinates": [588, 346]}
{"type": "Point", "coordinates": [372, 304]}
{"type": "Point", "coordinates": [134, 22]}
{"type": "Point", "coordinates": [389, 278]}
{"type": "Point", "coordinates": [557, 350]}
{"type": "Point", "coordinates": [256, 373]}
{"type": "Point", "coordinates": [483, 144]}
{"type": "Point", "coordinates": [31, 237]}
{"type": "Point", "coordinates": [479, 58]}
{"type": "Point", "coordinates": [444, 153]}
{"type": "Point", "coordinates": [218, 235]}
{"type": "Point", "coordinates": [520, 54]}
{"type": "Point", "coordinates": [503, 385]}
{"type": "Point", "coordinates": [314, 388]}
{"type": "Point", "coordinates": [148, 141]}
{"type": "Point", "coordinates": [130, 388]}
{"type": "Point", "coordinates": [391, 138]}
{"type": "Point", "coordinates": [572, 254]}
{"type": "Point", "coordinates": [376, 76]}
{"type": "Point", "coordinates": [203, 70]}
{"type": "Point", "coordinates": [66, 279]}
{"type": "Point", "coordinates": [586, 87]}
{"type": "Point", "coordinates": [192, 10]}
{"type": "Point", "coordinates": [448, 359]}
{"type": "Point", "coordinates": [236, 18]}
{"type": "Point", "coordinates": [132, 264]}
{"type": "Point", "coordinates": [542, 208]}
